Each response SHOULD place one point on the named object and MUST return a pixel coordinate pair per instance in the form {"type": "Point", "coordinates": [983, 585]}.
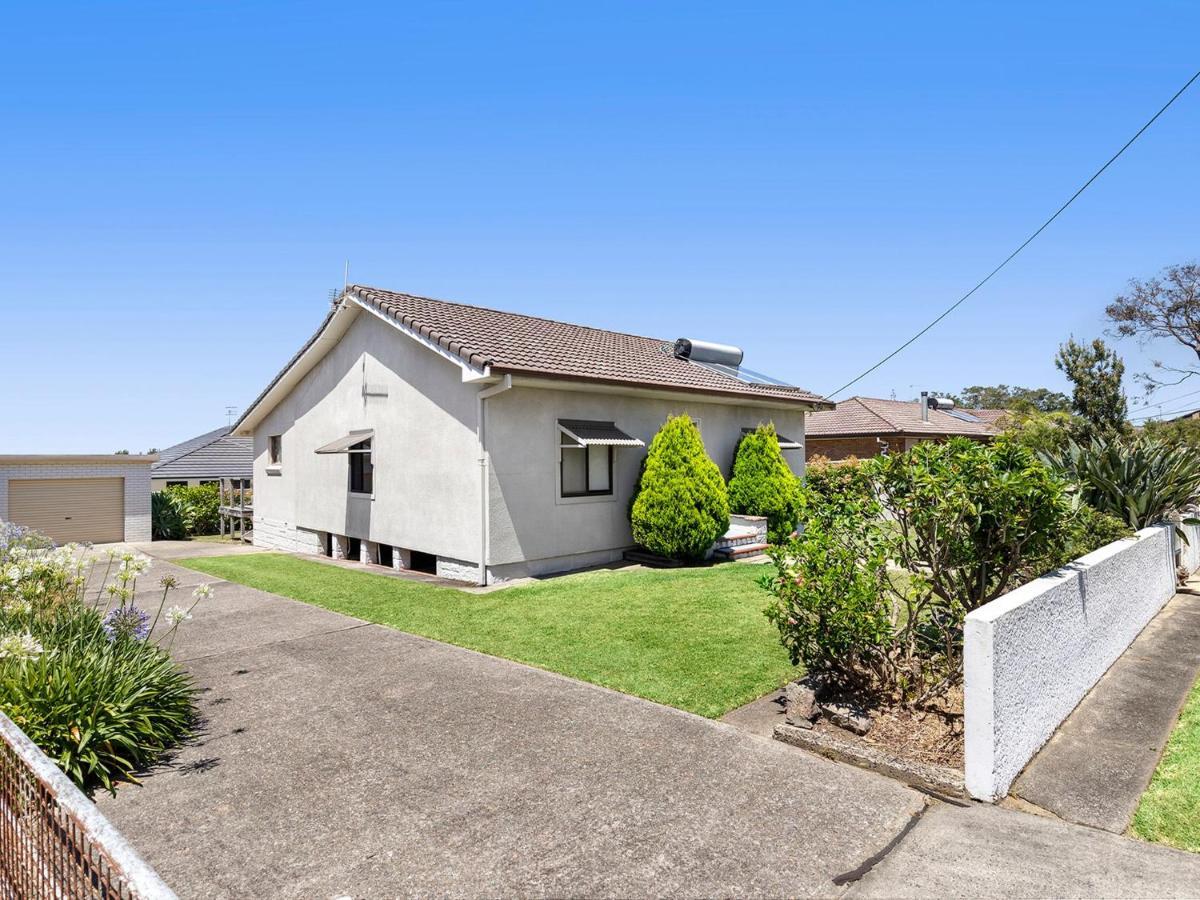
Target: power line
{"type": "Point", "coordinates": [1164, 402]}
{"type": "Point", "coordinates": [1166, 412]}
{"type": "Point", "coordinates": [1029, 240]}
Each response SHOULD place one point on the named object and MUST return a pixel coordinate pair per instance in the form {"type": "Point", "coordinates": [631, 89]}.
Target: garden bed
{"type": "Point", "coordinates": [923, 747]}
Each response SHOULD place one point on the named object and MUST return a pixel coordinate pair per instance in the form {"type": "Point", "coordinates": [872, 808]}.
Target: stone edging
{"type": "Point", "coordinates": [940, 779]}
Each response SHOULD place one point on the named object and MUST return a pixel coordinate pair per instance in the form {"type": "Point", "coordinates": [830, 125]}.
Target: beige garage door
{"type": "Point", "coordinates": [70, 509]}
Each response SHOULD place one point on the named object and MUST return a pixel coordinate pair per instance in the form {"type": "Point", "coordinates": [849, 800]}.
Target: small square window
{"type": "Point", "coordinates": [275, 449]}
{"type": "Point", "coordinates": [585, 470]}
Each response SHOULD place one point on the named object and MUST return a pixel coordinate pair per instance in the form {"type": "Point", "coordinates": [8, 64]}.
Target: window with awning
{"type": "Point", "coordinates": [785, 443]}
{"type": "Point", "coordinates": [586, 456]}
{"type": "Point", "coordinates": [357, 447]}
{"type": "Point", "coordinates": [346, 444]}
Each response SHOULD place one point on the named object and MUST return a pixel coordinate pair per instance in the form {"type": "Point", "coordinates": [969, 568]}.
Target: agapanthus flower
{"type": "Point", "coordinates": [203, 592]}
{"type": "Point", "coordinates": [176, 615]}
{"type": "Point", "coordinates": [22, 645]}
{"type": "Point", "coordinates": [127, 621]}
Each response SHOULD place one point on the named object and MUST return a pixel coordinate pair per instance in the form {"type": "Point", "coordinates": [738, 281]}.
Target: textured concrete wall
{"type": "Point", "coordinates": [137, 488]}
{"type": "Point", "coordinates": [1034, 653]}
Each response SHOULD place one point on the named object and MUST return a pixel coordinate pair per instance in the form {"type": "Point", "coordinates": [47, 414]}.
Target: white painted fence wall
{"type": "Point", "coordinates": [1033, 654]}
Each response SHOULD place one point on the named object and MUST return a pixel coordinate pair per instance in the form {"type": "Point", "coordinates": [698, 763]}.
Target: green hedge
{"type": "Point", "coordinates": [763, 484]}
{"type": "Point", "coordinates": [681, 507]}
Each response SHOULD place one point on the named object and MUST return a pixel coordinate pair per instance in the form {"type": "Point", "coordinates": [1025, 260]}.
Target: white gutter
{"type": "Point", "coordinates": [484, 480]}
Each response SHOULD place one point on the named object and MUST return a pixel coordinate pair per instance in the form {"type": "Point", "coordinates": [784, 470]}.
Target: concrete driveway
{"type": "Point", "coordinates": [341, 758]}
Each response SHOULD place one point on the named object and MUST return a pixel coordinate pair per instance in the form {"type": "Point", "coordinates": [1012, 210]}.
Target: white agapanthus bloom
{"type": "Point", "coordinates": [203, 592]}
{"type": "Point", "coordinates": [177, 615]}
{"type": "Point", "coordinates": [21, 645]}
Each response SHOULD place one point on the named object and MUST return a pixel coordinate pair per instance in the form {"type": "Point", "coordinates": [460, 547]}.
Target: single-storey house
{"type": "Point", "coordinates": [100, 498]}
{"type": "Point", "coordinates": [206, 459]}
{"type": "Point", "coordinates": [483, 445]}
{"type": "Point", "coordinates": [867, 426]}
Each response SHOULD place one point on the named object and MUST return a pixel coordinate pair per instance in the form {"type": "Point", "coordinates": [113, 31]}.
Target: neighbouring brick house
{"type": "Point", "coordinates": [867, 426]}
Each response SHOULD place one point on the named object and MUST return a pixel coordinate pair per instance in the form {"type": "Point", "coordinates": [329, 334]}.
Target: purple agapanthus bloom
{"type": "Point", "coordinates": [127, 620]}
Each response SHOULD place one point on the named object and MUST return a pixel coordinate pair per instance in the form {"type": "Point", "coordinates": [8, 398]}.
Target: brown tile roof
{"type": "Point", "coordinates": [527, 345]}
{"type": "Point", "coordinates": [868, 415]}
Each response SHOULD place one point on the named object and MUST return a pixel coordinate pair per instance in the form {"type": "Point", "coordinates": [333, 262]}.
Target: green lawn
{"type": "Point", "coordinates": [695, 639]}
{"type": "Point", "coordinates": [1169, 811]}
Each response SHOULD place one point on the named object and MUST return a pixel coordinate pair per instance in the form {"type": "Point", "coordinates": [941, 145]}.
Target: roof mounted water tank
{"type": "Point", "coordinates": [708, 352]}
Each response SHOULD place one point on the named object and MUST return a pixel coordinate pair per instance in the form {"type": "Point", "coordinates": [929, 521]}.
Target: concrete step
{"type": "Point", "coordinates": [741, 551]}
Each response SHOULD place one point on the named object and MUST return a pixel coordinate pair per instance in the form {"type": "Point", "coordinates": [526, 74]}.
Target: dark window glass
{"type": "Point", "coordinates": [275, 449]}
{"type": "Point", "coordinates": [362, 471]}
{"type": "Point", "coordinates": [584, 471]}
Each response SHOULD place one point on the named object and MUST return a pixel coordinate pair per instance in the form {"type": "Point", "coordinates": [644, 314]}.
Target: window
{"type": "Point", "coordinates": [275, 449]}
{"type": "Point", "coordinates": [584, 470]}
{"type": "Point", "coordinates": [362, 471]}
{"type": "Point", "coordinates": [177, 484]}
{"type": "Point", "coordinates": [207, 483]}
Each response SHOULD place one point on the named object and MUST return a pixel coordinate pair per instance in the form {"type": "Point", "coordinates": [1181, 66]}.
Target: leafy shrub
{"type": "Point", "coordinates": [681, 506]}
{"type": "Point", "coordinates": [102, 699]}
{"type": "Point", "coordinates": [1143, 481]}
{"type": "Point", "coordinates": [838, 492]}
{"type": "Point", "coordinates": [762, 483]}
{"type": "Point", "coordinates": [897, 550]}
{"type": "Point", "coordinates": [166, 517]}
{"type": "Point", "coordinates": [199, 505]}
{"type": "Point", "coordinates": [1089, 529]}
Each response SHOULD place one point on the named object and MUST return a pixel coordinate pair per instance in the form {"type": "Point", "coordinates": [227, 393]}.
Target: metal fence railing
{"type": "Point", "coordinates": [54, 842]}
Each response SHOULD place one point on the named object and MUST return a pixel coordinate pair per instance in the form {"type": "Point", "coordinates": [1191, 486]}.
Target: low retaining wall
{"type": "Point", "coordinates": [1032, 655]}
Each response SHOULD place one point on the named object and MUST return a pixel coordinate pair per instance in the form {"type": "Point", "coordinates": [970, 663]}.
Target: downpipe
{"type": "Point", "coordinates": [484, 481]}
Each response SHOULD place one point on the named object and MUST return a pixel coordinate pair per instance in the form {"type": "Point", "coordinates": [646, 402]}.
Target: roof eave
{"type": "Point", "coordinates": [805, 403]}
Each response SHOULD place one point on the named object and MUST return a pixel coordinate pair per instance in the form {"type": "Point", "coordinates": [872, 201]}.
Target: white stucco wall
{"type": "Point", "coordinates": [136, 477]}
{"type": "Point", "coordinates": [427, 466]}
{"type": "Point", "coordinates": [425, 453]}
{"type": "Point", "coordinates": [1032, 655]}
{"type": "Point", "coordinates": [533, 530]}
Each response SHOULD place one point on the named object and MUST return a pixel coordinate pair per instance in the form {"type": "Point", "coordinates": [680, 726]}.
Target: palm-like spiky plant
{"type": "Point", "coordinates": [1143, 482]}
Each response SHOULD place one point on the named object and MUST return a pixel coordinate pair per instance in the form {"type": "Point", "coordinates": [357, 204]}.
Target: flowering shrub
{"type": "Point", "coordinates": [83, 671]}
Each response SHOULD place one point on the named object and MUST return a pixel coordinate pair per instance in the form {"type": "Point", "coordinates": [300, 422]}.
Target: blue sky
{"type": "Point", "coordinates": [182, 184]}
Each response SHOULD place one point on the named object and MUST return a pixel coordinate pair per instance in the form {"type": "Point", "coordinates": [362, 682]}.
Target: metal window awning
{"type": "Point", "coordinates": [343, 444]}
{"type": "Point", "coordinates": [597, 434]}
{"type": "Point", "coordinates": [785, 443]}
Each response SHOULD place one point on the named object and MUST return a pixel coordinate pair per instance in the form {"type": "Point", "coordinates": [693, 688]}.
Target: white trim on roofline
{"type": "Point", "coordinates": [469, 372]}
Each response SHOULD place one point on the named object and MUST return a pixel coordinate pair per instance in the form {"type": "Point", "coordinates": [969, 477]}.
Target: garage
{"type": "Point", "coordinates": [96, 499]}
{"type": "Point", "coordinates": [70, 509]}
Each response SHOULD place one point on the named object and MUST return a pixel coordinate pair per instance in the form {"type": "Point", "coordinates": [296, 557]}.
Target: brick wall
{"type": "Point", "coordinates": [842, 448]}
{"type": "Point", "coordinates": [137, 488]}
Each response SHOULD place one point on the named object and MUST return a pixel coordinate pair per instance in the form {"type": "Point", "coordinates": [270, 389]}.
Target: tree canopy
{"type": "Point", "coordinates": [1165, 306]}
{"type": "Point", "coordinates": [1096, 372]}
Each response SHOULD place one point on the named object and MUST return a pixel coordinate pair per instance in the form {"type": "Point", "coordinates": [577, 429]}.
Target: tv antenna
{"type": "Point", "coordinates": [230, 412]}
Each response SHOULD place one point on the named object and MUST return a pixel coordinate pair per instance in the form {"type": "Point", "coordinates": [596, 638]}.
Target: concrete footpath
{"type": "Point", "coordinates": [1096, 767]}
{"type": "Point", "coordinates": [340, 758]}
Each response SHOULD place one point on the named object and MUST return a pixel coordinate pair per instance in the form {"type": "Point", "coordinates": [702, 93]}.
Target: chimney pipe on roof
{"type": "Point", "coordinates": [924, 406]}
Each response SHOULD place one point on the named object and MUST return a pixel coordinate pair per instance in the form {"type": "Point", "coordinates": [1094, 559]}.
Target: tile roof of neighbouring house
{"type": "Point", "coordinates": [521, 344]}
{"type": "Point", "coordinates": [868, 415]}
{"type": "Point", "coordinates": [214, 454]}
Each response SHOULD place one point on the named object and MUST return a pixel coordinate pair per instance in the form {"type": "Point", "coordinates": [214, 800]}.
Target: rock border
{"type": "Point", "coordinates": [939, 779]}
